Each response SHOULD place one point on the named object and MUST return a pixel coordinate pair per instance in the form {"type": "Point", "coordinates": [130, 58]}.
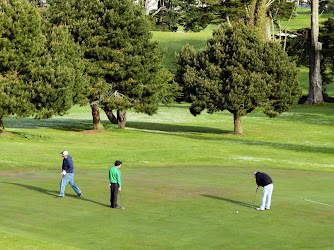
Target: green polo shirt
{"type": "Point", "coordinates": [115, 175]}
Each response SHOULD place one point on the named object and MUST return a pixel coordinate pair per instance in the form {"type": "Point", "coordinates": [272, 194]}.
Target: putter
{"type": "Point", "coordinates": [254, 198]}
{"type": "Point", "coordinates": [120, 195]}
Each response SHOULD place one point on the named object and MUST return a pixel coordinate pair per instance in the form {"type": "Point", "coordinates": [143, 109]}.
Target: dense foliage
{"type": "Point", "coordinates": [298, 47]}
{"type": "Point", "coordinates": [239, 72]}
{"type": "Point", "coordinates": [123, 64]}
{"type": "Point", "coordinates": [327, 63]}
{"type": "Point", "coordinates": [40, 66]}
{"type": "Point", "coordinates": [195, 16]}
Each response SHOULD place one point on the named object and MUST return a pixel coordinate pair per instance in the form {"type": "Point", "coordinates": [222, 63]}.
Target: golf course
{"type": "Point", "coordinates": [187, 181]}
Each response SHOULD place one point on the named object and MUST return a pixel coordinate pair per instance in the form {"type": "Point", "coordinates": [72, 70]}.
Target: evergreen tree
{"type": "Point", "coordinates": [327, 39]}
{"type": "Point", "coordinates": [57, 80]}
{"type": "Point", "coordinates": [124, 65]}
{"type": "Point", "coordinates": [197, 15]}
{"type": "Point", "coordinates": [239, 72]}
{"type": "Point", "coordinates": [38, 71]}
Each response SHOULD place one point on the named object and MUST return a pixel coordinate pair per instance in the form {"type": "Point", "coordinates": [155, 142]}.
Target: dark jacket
{"type": "Point", "coordinates": [262, 179]}
{"type": "Point", "coordinates": [68, 165]}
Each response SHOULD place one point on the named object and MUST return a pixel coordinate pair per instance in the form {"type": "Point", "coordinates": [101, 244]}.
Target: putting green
{"type": "Point", "coordinates": [188, 207]}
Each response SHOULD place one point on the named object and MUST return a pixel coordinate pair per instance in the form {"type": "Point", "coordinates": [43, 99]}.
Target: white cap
{"type": "Point", "coordinates": [64, 153]}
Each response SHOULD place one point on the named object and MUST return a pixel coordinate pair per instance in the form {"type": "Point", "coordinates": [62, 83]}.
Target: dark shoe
{"type": "Point", "coordinates": [59, 196]}
{"type": "Point", "coordinates": [80, 194]}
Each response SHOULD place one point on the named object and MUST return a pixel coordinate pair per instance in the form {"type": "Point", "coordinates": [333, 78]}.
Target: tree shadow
{"type": "Point", "coordinates": [65, 124]}
{"type": "Point", "coordinates": [241, 203]}
{"type": "Point", "coordinates": [78, 125]}
{"type": "Point", "coordinates": [53, 192]}
{"type": "Point", "coordinates": [284, 146]}
{"type": "Point", "coordinates": [164, 127]}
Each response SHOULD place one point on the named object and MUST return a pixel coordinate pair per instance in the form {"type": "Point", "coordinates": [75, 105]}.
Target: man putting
{"type": "Point", "coordinates": [68, 172]}
{"type": "Point", "coordinates": [115, 183]}
{"type": "Point", "coordinates": [264, 180]}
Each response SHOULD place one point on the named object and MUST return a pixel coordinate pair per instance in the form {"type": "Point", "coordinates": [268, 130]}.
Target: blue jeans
{"type": "Point", "coordinates": [266, 196]}
{"type": "Point", "coordinates": [68, 178]}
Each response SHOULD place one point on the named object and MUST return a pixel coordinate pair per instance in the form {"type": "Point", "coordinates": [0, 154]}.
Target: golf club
{"type": "Point", "coordinates": [254, 198]}
{"type": "Point", "coordinates": [120, 195]}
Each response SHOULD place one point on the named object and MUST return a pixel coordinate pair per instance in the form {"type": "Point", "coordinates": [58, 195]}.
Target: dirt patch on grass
{"type": "Point", "coordinates": [7, 134]}
{"type": "Point", "coordinates": [144, 244]}
{"type": "Point", "coordinates": [93, 132]}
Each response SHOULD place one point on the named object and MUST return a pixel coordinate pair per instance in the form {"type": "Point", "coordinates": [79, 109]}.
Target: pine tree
{"type": "Point", "coordinates": [57, 80]}
{"type": "Point", "coordinates": [21, 43]}
{"type": "Point", "coordinates": [39, 68]}
{"type": "Point", "coordinates": [327, 39]}
{"type": "Point", "coordinates": [239, 72]}
{"type": "Point", "coordinates": [124, 65]}
{"type": "Point", "coordinates": [197, 15]}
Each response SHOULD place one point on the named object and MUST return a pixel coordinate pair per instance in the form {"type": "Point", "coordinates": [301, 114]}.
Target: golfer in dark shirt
{"type": "Point", "coordinates": [264, 180]}
{"type": "Point", "coordinates": [68, 173]}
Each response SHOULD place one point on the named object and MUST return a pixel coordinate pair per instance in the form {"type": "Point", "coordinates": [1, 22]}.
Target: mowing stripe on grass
{"type": "Point", "coordinates": [319, 203]}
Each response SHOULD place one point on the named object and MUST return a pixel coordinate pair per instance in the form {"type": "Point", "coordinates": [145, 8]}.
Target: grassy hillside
{"type": "Point", "coordinates": [172, 42]}
{"type": "Point", "coordinates": [302, 19]}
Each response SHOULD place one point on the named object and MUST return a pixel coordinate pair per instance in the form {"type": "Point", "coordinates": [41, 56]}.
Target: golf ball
{"type": "Point", "coordinates": [237, 212]}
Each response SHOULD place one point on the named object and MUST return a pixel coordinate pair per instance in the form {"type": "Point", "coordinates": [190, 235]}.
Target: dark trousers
{"type": "Point", "coordinates": [113, 194]}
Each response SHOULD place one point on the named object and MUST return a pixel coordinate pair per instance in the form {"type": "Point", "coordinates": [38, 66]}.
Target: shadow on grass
{"type": "Point", "coordinates": [53, 193]}
{"type": "Point", "coordinates": [85, 124]}
{"type": "Point", "coordinates": [284, 146]}
{"type": "Point", "coordinates": [228, 200]}
{"type": "Point", "coordinates": [63, 124]}
{"type": "Point", "coordinates": [163, 127]}
{"type": "Point", "coordinates": [171, 129]}
{"type": "Point", "coordinates": [38, 189]}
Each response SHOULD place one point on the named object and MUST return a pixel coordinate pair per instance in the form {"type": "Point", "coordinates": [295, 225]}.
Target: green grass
{"type": "Point", "coordinates": [304, 79]}
{"type": "Point", "coordinates": [182, 138]}
{"type": "Point", "coordinates": [168, 208]}
{"type": "Point", "coordinates": [172, 42]}
{"type": "Point", "coordinates": [302, 19]}
{"type": "Point", "coordinates": [184, 178]}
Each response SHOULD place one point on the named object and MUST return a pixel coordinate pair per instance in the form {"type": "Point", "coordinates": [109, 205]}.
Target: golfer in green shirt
{"type": "Point", "coordinates": [115, 183]}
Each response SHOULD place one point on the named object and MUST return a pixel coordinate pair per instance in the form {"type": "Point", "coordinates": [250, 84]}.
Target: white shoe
{"type": "Point", "coordinates": [259, 209]}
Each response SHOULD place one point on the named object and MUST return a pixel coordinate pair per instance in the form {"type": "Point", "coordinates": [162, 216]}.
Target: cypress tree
{"type": "Point", "coordinates": [21, 43]}
{"type": "Point", "coordinates": [237, 71]}
{"type": "Point", "coordinates": [39, 65]}
{"type": "Point", "coordinates": [123, 64]}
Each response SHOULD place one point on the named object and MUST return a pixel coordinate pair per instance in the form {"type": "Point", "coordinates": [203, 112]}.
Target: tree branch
{"type": "Point", "coordinates": [160, 9]}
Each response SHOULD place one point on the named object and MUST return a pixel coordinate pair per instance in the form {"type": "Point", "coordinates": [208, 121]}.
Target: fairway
{"type": "Point", "coordinates": [184, 179]}
{"type": "Point", "coordinates": [192, 207]}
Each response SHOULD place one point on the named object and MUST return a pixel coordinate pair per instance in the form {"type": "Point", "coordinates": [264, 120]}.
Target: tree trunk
{"type": "Point", "coordinates": [237, 125]}
{"type": "Point", "coordinates": [112, 118]}
{"type": "Point", "coordinates": [96, 118]}
{"type": "Point", "coordinates": [2, 127]}
{"type": "Point", "coordinates": [315, 88]}
{"type": "Point", "coordinates": [258, 12]}
{"type": "Point", "coordinates": [121, 117]}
